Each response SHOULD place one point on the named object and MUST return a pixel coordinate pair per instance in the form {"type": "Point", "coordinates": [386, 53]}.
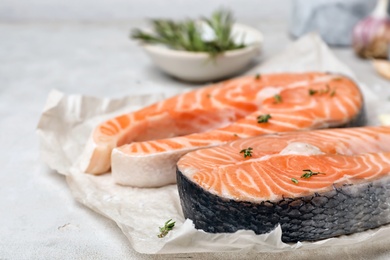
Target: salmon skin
{"type": "Point", "coordinates": [315, 184]}
{"type": "Point", "coordinates": [264, 104]}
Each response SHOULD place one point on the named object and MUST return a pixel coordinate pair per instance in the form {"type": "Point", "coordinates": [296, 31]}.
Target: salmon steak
{"type": "Point", "coordinates": [315, 184]}
{"type": "Point", "coordinates": [142, 147]}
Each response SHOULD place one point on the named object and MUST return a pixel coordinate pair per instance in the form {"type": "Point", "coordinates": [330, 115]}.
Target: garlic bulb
{"type": "Point", "coordinates": [371, 36]}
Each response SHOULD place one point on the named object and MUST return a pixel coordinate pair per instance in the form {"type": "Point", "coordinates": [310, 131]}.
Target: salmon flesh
{"type": "Point", "coordinates": [142, 147]}
{"type": "Point", "coordinates": [315, 184]}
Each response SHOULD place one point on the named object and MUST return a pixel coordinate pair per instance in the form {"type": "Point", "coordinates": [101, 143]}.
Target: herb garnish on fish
{"type": "Point", "coordinates": [263, 118]}
{"type": "Point", "coordinates": [323, 91]}
{"type": "Point", "coordinates": [247, 152]}
{"type": "Point", "coordinates": [308, 173]}
{"type": "Point", "coordinates": [294, 180]}
{"type": "Point", "coordinates": [278, 98]}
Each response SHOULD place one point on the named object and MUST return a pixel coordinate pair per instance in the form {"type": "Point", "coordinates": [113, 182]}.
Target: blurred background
{"type": "Point", "coordinates": [129, 10]}
{"type": "Point", "coordinates": [66, 44]}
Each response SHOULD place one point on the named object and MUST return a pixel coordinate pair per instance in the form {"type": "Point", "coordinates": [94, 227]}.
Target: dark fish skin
{"type": "Point", "coordinates": [344, 210]}
{"type": "Point", "coordinates": [359, 120]}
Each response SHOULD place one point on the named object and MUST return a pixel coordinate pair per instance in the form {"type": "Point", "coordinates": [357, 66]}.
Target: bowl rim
{"type": "Point", "coordinates": [256, 45]}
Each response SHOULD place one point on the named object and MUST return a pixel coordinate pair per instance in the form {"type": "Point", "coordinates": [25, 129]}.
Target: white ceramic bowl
{"type": "Point", "coordinates": [199, 67]}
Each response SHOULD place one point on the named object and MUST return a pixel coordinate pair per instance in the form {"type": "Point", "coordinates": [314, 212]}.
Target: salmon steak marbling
{"type": "Point", "coordinates": [316, 184]}
{"type": "Point", "coordinates": [142, 147]}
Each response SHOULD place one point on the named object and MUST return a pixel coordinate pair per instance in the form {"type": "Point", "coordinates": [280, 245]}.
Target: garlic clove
{"type": "Point", "coordinates": [371, 36]}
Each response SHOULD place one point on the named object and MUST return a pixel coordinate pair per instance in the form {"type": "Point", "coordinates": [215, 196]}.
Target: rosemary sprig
{"type": "Point", "coordinates": [263, 118]}
{"type": "Point", "coordinates": [168, 226]}
{"type": "Point", "coordinates": [247, 152]}
{"type": "Point", "coordinates": [308, 173]}
{"type": "Point", "coordinates": [187, 35]}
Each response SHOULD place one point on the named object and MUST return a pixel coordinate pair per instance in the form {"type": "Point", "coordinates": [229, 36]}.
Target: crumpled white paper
{"type": "Point", "coordinates": [67, 121]}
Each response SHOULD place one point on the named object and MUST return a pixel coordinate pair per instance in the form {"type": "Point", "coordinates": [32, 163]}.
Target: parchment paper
{"type": "Point", "coordinates": [67, 121]}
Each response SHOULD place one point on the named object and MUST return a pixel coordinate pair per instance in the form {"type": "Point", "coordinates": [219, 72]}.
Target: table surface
{"type": "Point", "coordinates": [39, 218]}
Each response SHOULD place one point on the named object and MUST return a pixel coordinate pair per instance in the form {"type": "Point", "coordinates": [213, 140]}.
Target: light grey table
{"type": "Point", "coordinates": [39, 219]}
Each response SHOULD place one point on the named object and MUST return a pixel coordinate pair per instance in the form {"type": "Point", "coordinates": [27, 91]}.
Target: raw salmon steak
{"type": "Point", "coordinates": [257, 105]}
{"type": "Point", "coordinates": [315, 184]}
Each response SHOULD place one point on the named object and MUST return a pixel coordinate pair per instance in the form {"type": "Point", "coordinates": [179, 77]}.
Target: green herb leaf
{"type": "Point", "coordinates": [294, 180]}
{"type": "Point", "coordinates": [168, 226]}
{"type": "Point", "coordinates": [308, 173]}
{"type": "Point", "coordinates": [247, 152]}
{"type": "Point", "coordinates": [326, 90]}
{"type": "Point", "coordinates": [187, 35]}
{"type": "Point", "coordinates": [312, 92]}
{"type": "Point", "coordinates": [263, 118]}
{"type": "Point", "coordinates": [323, 91]}
{"type": "Point", "coordinates": [258, 76]}
{"type": "Point", "coordinates": [278, 98]}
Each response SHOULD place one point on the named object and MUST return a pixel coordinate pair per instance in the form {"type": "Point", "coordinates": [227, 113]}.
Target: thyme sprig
{"type": "Point", "coordinates": [278, 99]}
{"type": "Point", "coordinates": [294, 180]}
{"type": "Point", "coordinates": [326, 90]}
{"type": "Point", "coordinates": [263, 118]}
{"type": "Point", "coordinates": [187, 35]}
{"type": "Point", "coordinates": [168, 226]}
{"type": "Point", "coordinates": [308, 173]}
{"type": "Point", "coordinates": [312, 92]}
{"type": "Point", "coordinates": [323, 91]}
{"type": "Point", "coordinates": [247, 152]}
